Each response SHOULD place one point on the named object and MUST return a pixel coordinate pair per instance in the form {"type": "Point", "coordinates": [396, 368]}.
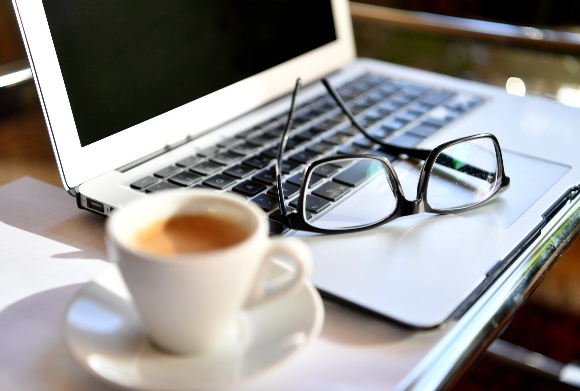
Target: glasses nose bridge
{"type": "Point", "coordinates": [413, 207]}
{"type": "Point", "coordinates": [410, 207]}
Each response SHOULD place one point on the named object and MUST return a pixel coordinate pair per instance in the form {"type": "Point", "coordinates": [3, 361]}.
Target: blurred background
{"type": "Point", "coordinates": [526, 47]}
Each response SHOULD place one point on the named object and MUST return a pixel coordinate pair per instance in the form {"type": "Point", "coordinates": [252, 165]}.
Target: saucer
{"type": "Point", "coordinates": [103, 333]}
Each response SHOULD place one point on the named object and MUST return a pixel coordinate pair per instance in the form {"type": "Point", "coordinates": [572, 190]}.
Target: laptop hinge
{"type": "Point", "coordinates": [153, 155]}
{"type": "Point", "coordinates": [73, 191]}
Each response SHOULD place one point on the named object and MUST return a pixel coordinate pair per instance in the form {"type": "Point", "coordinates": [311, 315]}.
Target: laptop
{"type": "Point", "coordinates": [166, 96]}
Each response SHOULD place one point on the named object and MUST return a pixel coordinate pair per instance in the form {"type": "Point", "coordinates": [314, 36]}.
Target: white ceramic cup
{"type": "Point", "coordinates": [188, 302]}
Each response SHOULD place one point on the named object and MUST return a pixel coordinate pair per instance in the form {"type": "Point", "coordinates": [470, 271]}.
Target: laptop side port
{"type": "Point", "coordinates": [95, 205]}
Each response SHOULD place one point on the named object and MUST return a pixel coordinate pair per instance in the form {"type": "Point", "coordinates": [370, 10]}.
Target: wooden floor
{"type": "Point", "coordinates": [25, 149]}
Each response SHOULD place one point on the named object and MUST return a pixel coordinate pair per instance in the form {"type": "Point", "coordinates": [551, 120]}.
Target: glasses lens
{"type": "Point", "coordinates": [350, 193]}
{"type": "Point", "coordinates": [463, 175]}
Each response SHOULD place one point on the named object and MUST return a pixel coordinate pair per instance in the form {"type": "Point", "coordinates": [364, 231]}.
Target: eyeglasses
{"type": "Point", "coordinates": [457, 175]}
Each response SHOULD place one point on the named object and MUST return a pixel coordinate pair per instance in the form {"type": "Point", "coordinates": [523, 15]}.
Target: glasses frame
{"type": "Point", "coordinates": [297, 219]}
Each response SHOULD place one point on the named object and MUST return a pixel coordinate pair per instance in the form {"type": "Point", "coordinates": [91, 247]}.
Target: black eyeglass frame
{"type": "Point", "coordinates": [297, 219]}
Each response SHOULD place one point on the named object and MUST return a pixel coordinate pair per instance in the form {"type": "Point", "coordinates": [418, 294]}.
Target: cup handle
{"type": "Point", "coordinates": [287, 247]}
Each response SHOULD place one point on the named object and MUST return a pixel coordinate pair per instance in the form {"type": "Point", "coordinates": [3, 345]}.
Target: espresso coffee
{"type": "Point", "coordinates": [193, 233]}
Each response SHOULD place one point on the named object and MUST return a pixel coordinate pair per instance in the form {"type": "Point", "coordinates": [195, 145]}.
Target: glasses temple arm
{"type": "Point", "coordinates": [281, 148]}
{"type": "Point", "coordinates": [389, 148]}
{"type": "Point", "coordinates": [422, 154]}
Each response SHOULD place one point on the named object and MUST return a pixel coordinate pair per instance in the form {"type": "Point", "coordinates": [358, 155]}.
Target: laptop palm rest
{"type": "Point", "coordinates": [418, 269]}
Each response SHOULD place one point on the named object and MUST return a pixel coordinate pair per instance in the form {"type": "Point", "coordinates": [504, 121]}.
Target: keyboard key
{"type": "Point", "coordinates": [326, 125]}
{"type": "Point", "coordinates": [205, 168]}
{"type": "Point", "coordinates": [225, 158]}
{"type": "Point", "coordinates": [185, 178]}
{"type": "Point", "coordinates": [320, 148]}
{"type": "Point", "coordinates": [219, 181]}
{"type": "Point", "coordinates": [423, 130]}
{"type": "Point", "coordinates": [289, 166]}
{"type": "Point", "coordinates": [362, 141]}
{"type": "Point", "coordinates": [407, 116]}
{"type": "Point", "coordinates": [294, 142]}
{"type": "Point", "coordinates": [438, 98]}
{"type": "Point", "coordinates": [336, 139]}
{"type": "Point", "coordinates": [302, 119]}
{"type": "Point", "coordinates": [188, 161]}
{"type": "Point", "coordinates": [249, 188]}
{"type": "Point", "coordinates": [420, 108]}
{"type": "Point", "coordinates": [357, 109]}
{"type": "Point", "coordinates": [350, 131]}
{"type": "Point", "coordinates": [364, 101]}
{"type": "Point", "coordinates": [275, 132]}
{"type": "Point", "coordinates": [355, 175]}
{"type": "Point", "coordinates": [289, 190]}
{"type": "Point", "coordinates": [331, 191]}
{"type": "Point", "coordinates": [415, 89]}
{"type": "Point", "coordinates": [266, 202]}
{"type": "Point", "coordinates": [393, 124]}
{"type": "Point", "coordinates": [381, 132]}
{"type": "Point", "coordinates": [308, 135]}
{"type": "Point", "coordinates": [165, 172]}
{"type": "Point", "coordinates": [376, 96]}
{"type": "Point", "coordinates": [257, 162]}
{"type": "Point", "coordinates": [297, 180]}
{"type": "Point", "coordinates": [161, 186]}
{"type": "Point", "coordinates": [267, 177]}
{"type": "Point", "coordinates": [304, 157]}
{"type": "Point", "coordinates": [347, 92]}
{"type": "Point", "coordinates": [323, 105]}
{"type": "Point", "coordinates": [326, 170]}
{"type": "Point", "coordinates": [388, 107]}
{"type": "Point", "coordinates": [438, 121]}
{"type": "Point", "coordinates": [407, 140]}
{"type": "Point", "coordinates": [313, 204]}
{"type": "Point", "coordinates": [262, 140]}
{"type": "Point", "coordinates": [144, 182]}
{"type": "Point", "coordinates": [271, 153]}
{"type": "Point", "coordinates": [374, 115]}
{"type": "Point", "coordinates": [243, 149]}
{"type": "Point", "coordinates": [208, 151]}
{"type": "Point", "coordinates": [388, 89]}
{"type": "Point", "coordinates": [239, 171]}
{"type": "Point", "coordinates": [402, 99]}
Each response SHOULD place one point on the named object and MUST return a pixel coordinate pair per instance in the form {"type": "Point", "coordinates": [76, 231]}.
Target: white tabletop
{"type": "Point", "coordinates": [49, 248]}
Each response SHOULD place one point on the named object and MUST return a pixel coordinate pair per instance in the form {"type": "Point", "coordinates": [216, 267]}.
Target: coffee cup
{"type": "Point", "coordinates": [189, 295]}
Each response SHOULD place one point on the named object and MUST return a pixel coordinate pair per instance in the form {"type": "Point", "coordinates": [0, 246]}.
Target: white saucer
{"type": "Point", "coordinates": [103, 333]}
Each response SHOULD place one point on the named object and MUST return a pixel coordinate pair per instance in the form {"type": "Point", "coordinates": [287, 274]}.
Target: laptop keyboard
{"type": "Point", "coordinates": [402, 112]}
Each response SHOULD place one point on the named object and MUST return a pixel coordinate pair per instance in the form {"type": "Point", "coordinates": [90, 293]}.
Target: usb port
{"type": "Point", "coordinates": [95, 205]}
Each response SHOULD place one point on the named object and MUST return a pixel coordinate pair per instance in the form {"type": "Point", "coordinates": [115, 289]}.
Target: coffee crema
{"type": "Point", "coordinates": [193, 233]}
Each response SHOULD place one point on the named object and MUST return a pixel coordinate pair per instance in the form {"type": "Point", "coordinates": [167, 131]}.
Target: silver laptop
{"type": "Point", "coordinates": [166, 96]}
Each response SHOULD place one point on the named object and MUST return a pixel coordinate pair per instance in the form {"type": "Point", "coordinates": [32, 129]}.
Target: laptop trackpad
{"type": "Point", "coordinates": [530, 179]}
{"type": "Point", "coordinates": [419, 269]}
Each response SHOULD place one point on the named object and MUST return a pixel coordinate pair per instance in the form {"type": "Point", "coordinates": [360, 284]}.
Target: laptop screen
{"type": "Point", "coordinates": [125, 61]}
